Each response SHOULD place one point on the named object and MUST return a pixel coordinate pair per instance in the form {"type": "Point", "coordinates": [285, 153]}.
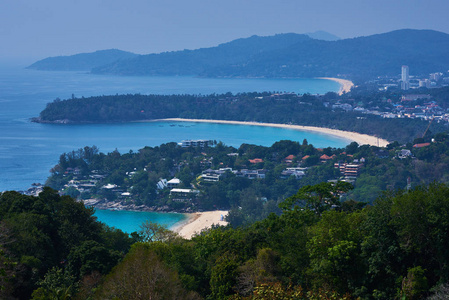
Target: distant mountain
{"type": "Point", "coordinates": [200, 61]}
{"type": "Point", "coordinates": [294, 55]}
{"type": "Point", "coordinates": [81, 62]}
{"type": "Point", "coordinates": [322, 35]}
{"type": "Point", "coordinates": [424, 51]}
{"type": "Point", "coordinates": [290, 55]}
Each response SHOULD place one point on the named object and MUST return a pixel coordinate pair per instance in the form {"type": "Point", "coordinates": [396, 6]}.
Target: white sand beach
{"type": "Point", "coordinates": [199, 221]}
{"type": "Point", "coordinates": [361, 139]}
{"type": "Point", "coordinates": [345, 85]}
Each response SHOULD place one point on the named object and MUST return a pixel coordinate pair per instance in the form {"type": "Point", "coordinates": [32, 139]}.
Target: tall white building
{"type": "Point", "coordinates": [405, 83]}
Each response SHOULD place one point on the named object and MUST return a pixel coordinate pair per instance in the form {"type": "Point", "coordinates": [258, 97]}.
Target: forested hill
{"type": "Point", "coordinates": [291, 55]}
{"type": "Point", "coordinates": [323, 35]}
{"type": "Point", "coordinates": [283, 55]}
{"type": "Point", "coordinates": [260, 107]}
{"type": "Point", "coordinates": [204, 60]}
{"type": "Point", "coordinates": [81, 62]}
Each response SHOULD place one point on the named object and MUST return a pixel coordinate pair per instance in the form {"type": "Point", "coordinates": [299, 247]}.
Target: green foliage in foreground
{"type": "Point", "coordinates": [51, 242]}
{"type": "Point", "coordinates": [396, 248]}
{"type": "Point", "coordinates": [52, 248]}
{"type": "Point", "coordinates": [142, 275]}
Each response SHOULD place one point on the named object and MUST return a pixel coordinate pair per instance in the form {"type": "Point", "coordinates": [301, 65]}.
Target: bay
{"type": "Point", "coordinates": [130, 221]}
{"type": "Point", "coordinates": [28, 150]}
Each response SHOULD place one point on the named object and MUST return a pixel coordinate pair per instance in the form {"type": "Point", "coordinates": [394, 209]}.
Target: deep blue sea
{"type": "Point", "coordinates": [28, 150]}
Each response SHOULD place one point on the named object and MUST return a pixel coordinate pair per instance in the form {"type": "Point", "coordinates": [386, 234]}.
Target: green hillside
{"type": "Point", "coordinates": [82, 61]}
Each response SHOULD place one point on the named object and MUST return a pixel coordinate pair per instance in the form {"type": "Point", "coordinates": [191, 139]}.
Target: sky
{"type": "Point", "coordinates": [31, 29]}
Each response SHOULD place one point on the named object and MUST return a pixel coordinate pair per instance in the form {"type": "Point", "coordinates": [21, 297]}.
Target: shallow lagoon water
{"type": "Point", "coordinates": [130, 221]}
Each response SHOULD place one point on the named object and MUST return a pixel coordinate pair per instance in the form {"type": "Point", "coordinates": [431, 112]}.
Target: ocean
{"type": "Point", "coordinates": [130, 221]}
{"type": "Point", "coordinates": [29, 150]}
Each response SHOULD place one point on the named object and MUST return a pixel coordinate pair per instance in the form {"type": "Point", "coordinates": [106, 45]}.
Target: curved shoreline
{"type": "Point", "coordinates": [345, 85]}
{"type": "Point", "coordinates": [196, 222]}
{"type": "Point", "coordinates": [361, 139]}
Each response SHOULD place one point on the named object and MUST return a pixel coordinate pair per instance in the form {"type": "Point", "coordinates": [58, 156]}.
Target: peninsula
{"type": "Point", "coordinates": [370, 115]}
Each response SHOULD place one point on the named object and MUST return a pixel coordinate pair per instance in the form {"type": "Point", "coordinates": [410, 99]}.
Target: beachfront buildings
{"type": "Point", "coordinates": [196, 143]}
{"type": "Point", "coordinates": [181, 195]}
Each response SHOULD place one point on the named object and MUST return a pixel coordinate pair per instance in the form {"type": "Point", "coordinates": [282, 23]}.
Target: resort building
{"type": "Point", "coordinates": [182, 195]}
{"type": "Point", "coordinates": [173, 183]}
{"type": "Point", "coordinates": [298, 173]}
{"type": "Point", "coordinates": [251, 174]}
{"type": "Point", "coordinates": [196, 143]}
{"type": "Point", "coordinates": [214, 175]}
{"type": "Point", "coordinates": [349, 170]}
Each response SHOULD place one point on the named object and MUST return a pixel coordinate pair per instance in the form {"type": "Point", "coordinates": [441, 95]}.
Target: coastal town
{"type": "Point", "coordinates": [412, 98]}
{"type": "Point", "coordinates": [225, 150]}
{"type": "Point", "coordinates": [181, 176]}
{"type": "Point", "coordinates": [402, 100]}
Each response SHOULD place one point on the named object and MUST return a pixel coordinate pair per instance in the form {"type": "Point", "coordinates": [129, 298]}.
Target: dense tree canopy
{"type": "Point", "coordinates": [394, 248]}
{"type": "Point", "coordinates": [50, 237]}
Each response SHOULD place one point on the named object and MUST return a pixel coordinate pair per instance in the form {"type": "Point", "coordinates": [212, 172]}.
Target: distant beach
{"type": "Point", "coordinates": [361, 139]}
{"type": "Point", "coordinates": [196, 222]}
{"type": "Point", "coordinates": [345, 85]}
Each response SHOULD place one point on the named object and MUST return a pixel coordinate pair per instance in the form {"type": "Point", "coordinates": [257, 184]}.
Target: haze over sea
{"type": "Point", "coordinates": [28, 150]}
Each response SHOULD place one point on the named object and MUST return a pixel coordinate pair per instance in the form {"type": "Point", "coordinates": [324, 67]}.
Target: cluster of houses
{"type": "Point", "coordinates": [349, 172]}
{"type": "Point", "coordinates": [406, 153]}
{"type": "Point", "coordinates": [433, 80]}
{"type": "Point", "coordinates": [83, 185]}
{"type": "Point", "coordinates": [404, 109]}
{"type": "Point", "coordinates": [34, 190]}
{"type": "Point", "coordinates": [428, 110]}
{"type": "Point", "coordinates": [210, 175]}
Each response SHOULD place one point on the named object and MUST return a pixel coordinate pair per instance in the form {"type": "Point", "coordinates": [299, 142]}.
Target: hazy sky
{"type": "Point", "coordinates": [35, 29]}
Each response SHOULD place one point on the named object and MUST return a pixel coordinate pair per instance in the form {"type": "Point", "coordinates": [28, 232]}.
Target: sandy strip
{"type": "Point", "coordinates": [199, 221]}
{"type": "Point", "coordinates": [361, 139]}
{"type": "Point", "coordinates": [345, 85]}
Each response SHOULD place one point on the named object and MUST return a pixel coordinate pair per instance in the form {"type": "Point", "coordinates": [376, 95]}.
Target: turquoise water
{"type": "Point", "coordinates": [130, 221]}
{"type": "Point", "coordinates": [28, 150]}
